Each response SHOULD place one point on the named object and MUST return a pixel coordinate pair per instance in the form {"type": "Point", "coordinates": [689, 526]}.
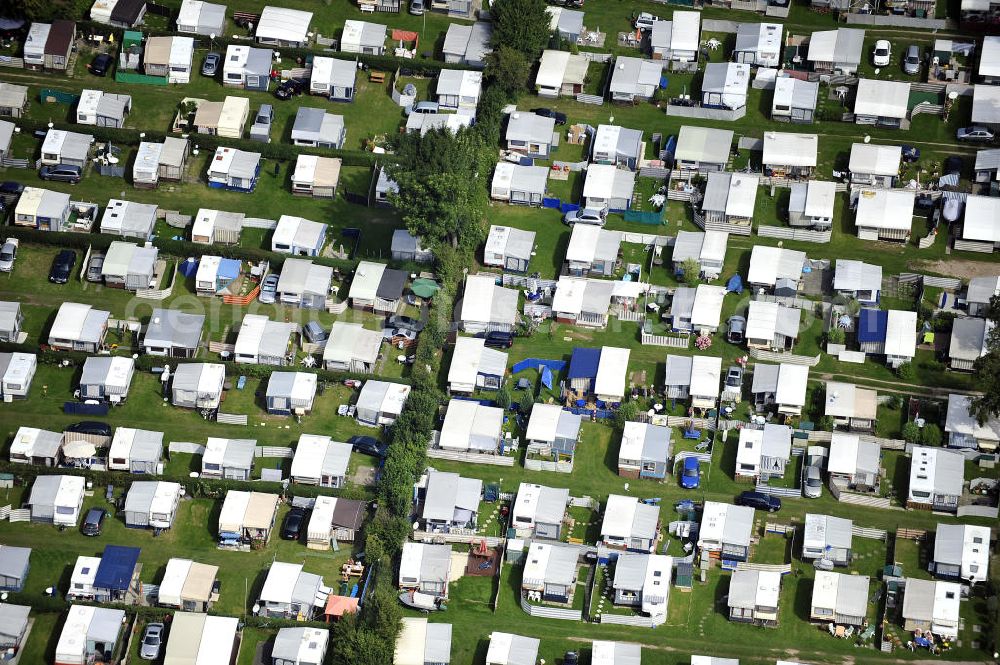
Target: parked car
{"type": "Point", "coordinates": [571, 658]}
{"type": "Point", "coordinates": [558, 116]}
{"type": "Point", "coordinates": [290, 88]}
{"type": "Point", "coordinates": [953, 164]}
{"type": "Point", "coordinates": [691, 473]}
{"type": "Point", "coordinates": [736, 330]}
{"type": "Point", "coordinates": [93, 521]}
{"type": "Point", "coordinates": [314, 332]}
{"type": "Point", "coordinates": [268, 289]}
{"type": "Point", "coordinates": [61, 173]}
{"type": "Point", "coordinates": [911, 60]}
{"type": "Point", "coordinates": [100, 65]}
{"type": "Point", "coordinates": [594, 216]}
{"type": "Point", "coordinates": [11, 188]}
{"type": "Point", "coordinates": [261, 129]}
{"type": "Point", "coordinates": [94, 427]}
{"type": "Point", "coordinates": [975, 133]}
{"type": "Point", "coordinates": [407, 322]}
{"type": "Point", "coordinates": [95, 267]}
{"type": "Point", "coordinates": [398, 335]}
{"type": "Point", "coordinates": [8, 253]}
{"type": "Point", "coordinates": [152, 640]}
{"type": "Point", "coordinates": [62, 266]}
{"type": "Point", "coordinates": [734, 377]}
{"type": "Point", "coordinates": [423, 107]}
{"type": "Point", "coordinates": [644, 21]}
{"type": "Point", "coordinates": [210, 66]}
{"type": "Point", "coordinates": [368, 445]}
{"type": "Point", "coordinates": [417, 7]}
{"type": "Point", "coordinates": [759, 501]}
{"type": "Point", "coordinates": [812, 482]}
{"type": "Point", "coordinates": [882, 53]}
{"type": "Point", "coordinates": [294, 521]}
{"type": "Point", "coordinates": [498, 339]}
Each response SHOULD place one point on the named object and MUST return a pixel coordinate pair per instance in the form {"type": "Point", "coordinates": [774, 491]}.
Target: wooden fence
{"type": "Point", "coordinates": [220, 347]}
{"type": "Point", "coordinates": [911, 534]}
{"type": "Point", "coordinates": [783, 568]}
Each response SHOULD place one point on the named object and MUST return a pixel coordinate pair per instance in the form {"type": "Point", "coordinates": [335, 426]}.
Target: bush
{"type": "Point", "coordinates": [905, 372]}
{"type": "Point", "coordinates": [911, 433]}
{"type": "Point", "coordinates": [835, 335]}
{"type": "Point", "coordinates": [930, 435]}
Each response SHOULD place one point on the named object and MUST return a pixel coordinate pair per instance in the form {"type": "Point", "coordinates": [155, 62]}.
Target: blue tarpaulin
{"type": "Point", "coordinates": [871, 325]}
{"type": "Point", "coordinates": [189, 268]}
{"type": "Point", "coordinates": [568, 207]}
{"type": "Point", "coordinates": [735, 284]}
{"type": "Point", "coordinates": [548, 202]}
{"type": "Point", "coordinates": [85, 409]}
{"type": "Point", "coordinates": [117, 566]}
{"type": "Point", "coordinates": [229, 269]}
{"type": "Point", "coordinates": [664, 83]}
{"type": "Point", "coordinates": [546, 377]}
{"type": "Point", "coordinates": [536, 363]}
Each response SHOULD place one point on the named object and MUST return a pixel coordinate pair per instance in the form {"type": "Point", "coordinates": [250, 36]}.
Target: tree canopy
{"type": "Point", "coordinates": [522, 25]}
{"type": "Point", "coordinates": [987, 370]}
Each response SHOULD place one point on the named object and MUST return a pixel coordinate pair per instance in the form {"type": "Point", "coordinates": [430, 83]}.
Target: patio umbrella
{"type": "Point", "coordinates": [424, 288]}
{"type": "Point", "coordinates": [77, 449]}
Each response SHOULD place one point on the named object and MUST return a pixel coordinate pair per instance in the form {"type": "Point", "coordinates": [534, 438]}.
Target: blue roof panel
{"type": "Point", "coordinates": [229, 269]}
{"type": "Point", "coordinates": [583, 363]}
{"type": "Point", "coordinates": [117, 565]}
{"type": "Point", "coordinates": [872, 325]}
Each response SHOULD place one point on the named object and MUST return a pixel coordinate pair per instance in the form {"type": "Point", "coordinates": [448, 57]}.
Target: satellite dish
{"type": "Point", "coordinates": [953, 95]}
{"type": "Point", "coordinates": [868, 138]}
{"type": "Point", "coordinates": [416, 525]}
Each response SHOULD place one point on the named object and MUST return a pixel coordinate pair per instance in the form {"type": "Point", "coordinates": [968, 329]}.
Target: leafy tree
{"type": "Point", "coordinates": [626, 412]}
{"type": "Point", "coordinates": [504, 398]}
{"type": "Point", "coordinates": [526, 403]}
{"type": "Point", "coordinates": [905, 372]}
{"type": "Point", "coordinates": [509, 70]}
{"type": "Point", "coordinates": [40, 10]}
{"type": "Point", "coordinates": [437, 198]}
{"type": "Point", "coordinates": [911, 432]}
{"type": "Point", "coordinates": [987, 370]}
{"type": "Point", "coordinates": [692, 271]}
{"type": "Point", "coordinates": [931, 435]}
{"type": "Point", "coordinates": [522, 25]}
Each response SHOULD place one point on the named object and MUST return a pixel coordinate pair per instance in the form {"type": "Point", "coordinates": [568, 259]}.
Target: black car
{"type": "Point", "coordinates": [62, 266]}
{"type": "Point", "coordinates": [405, 322]}
{"type": "Point", "coordinates": [92, 522]}
{"type": "Point", "coordinates": [100, 65]}
{"type": "Point", "coordinates": [497, 339]}
{"type": "Point", "coordinates": [759, 501]}
{"type": "Point", "coordinates": [294, 521]}
{"type": "Point", "coordinates": [94, 427]}
{"type": "Point", "coordinates": [290, 88]}
{"type": "Point", "coordinates": [558, 116]}
{"type": "Point", "coordinates": [10, 188]}
{"type": "Point", "coordinates": [368, 445]}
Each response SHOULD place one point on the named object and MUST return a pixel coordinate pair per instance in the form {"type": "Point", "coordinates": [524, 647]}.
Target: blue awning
{"type": "Point", "coordinates": [229, 269]}
{"type": "Point", "coordinates": [117, 566]}
{"type": "Point", "coordinates": [872, 325]}
{"type": "Point", "coordinates": [583, 363]}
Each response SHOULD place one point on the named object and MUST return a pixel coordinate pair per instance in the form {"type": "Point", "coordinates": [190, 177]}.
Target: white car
{"type": "Point", "coordinates": [8, 253]}
{"type": "Point", "coordinates": [882, 53]}
{"type": "Point", "coordinates": [644, 21]}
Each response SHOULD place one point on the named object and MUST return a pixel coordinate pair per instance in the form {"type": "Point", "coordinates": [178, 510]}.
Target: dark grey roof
{"type": "Point", "coordinates": [391, 285]}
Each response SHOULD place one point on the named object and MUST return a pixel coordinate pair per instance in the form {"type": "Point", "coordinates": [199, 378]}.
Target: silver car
{"type": "Point", "coordinates": [8, 253]}
{"type": "Point", "coordinates": [268, 289]}
{"type": "Point", "coordinates": [812, 482]}
{"type": "Point", "coordinates": [911, 60]}
{"type": "Point", "coordinates": [152, 639]}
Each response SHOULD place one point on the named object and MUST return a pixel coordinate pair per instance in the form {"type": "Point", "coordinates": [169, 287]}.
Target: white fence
{"type": "Point", "coordinates": [842, 494]}
{"type": "Point", "coordinates": [20, 515]}
{"type": "Point", "coordinates": [629, 315]}
{"type": "Point", "coordinates": [666, 340]}
{"type": "Point", "coordinates": [465, 536]}
{"type": "Point", "coordinates": [900, 21]}
{"type": "Point", "coordinates": [280, 452]}
{"type": "Point", "coordinates": [963, 511]}
{"type": "Point", "coordinates": [865, 532]}
{"type": "Point", "coordinates": [259, 223]}
{"type": "Point", "coordinates": [789, 233]}
{"type": "Point", "coordinates": [783, 568]}
{"type": "Point", "coordinates": [475, 458]}
{"type": "Point", "coordinates": [764, 488]}
{"type": "Point", "coordinates": [647, 239]}
{"type": "Point", "coordinates": [791, 358]}
{"type": "Point", "coordinates": [551, 612]}
{"type": "Point", "coordinates": [185, 447]}
{"type": "Point", "coordinates": [629, 620]}
{"type": "Point", "coordinates": [703, 113]}
{"type": "Point", "coordinates": [593, 100]}
{"type": "Point", "coordinates": [548, 465]}
{"type": "Point", "coordinates": [231, 418]}
{"type": "Point", "coordinates": [973, 246]}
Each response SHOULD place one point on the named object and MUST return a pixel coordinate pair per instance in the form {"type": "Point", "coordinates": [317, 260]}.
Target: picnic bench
{"type": "Point", "coordinates": [375, 76]}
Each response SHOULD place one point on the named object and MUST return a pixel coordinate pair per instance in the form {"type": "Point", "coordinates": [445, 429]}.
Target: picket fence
{"type": "Point", "coordinates": [791, 358]}
{"type": "Point", "coordinates": [551, 612]}
{"type": "Point", "coordinates": [666, 340]}
{"type": "Point", "coordinates": [465, 536]}
{"type": "Point", "coordinates": [548, 465]}
{"type": "Point", "coordinates": [231, 418]}
{"type": "Point", "coordinates": [866, 532]}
